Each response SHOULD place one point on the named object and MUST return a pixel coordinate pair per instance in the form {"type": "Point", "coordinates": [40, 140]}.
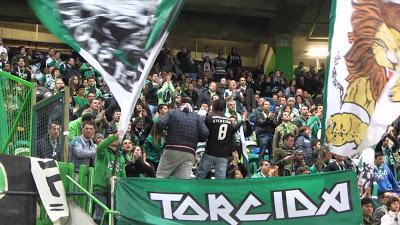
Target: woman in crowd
{"type": "Point", "coordinates": [207, 68]}
{"type": "Point", "coordinates": [290, 91]}
{"type": "Point", "coordinates": [153, 148]}
{"type": "Point", "coordinates": [73, 84]}
{"type": "Point", "coordinates": [135, 166]}
{"type": "Point", "coordinates": [141, 122]}
{"type": "Point", "coordinates": [299, 102]}
{"type": "Point", "coordinates": [236, 169]}
{"type": "Point", "coordinates": [392, 215]}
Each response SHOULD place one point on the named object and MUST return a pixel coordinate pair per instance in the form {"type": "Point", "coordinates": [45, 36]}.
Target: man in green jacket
{"type": "Point", "coordinates": [104, 166]}
{"type": "Point", "coordinates": [286, 127]}
{"type": "Point", "coordinates": [283, 156]}
{"type": "Point", "coordinates": [301, 120]}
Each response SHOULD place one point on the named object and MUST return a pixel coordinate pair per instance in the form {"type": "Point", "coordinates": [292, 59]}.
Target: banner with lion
{"type": "Point", "coordinates": [362, 87]}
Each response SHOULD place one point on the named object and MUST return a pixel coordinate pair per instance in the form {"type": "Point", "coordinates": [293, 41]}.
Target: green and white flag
{"type": "Point", "coordinates": [362, 86]}
{"type": "Point", "coordinates": [326, 198]}
{"type": "Point", "coordinates": [119, 38]}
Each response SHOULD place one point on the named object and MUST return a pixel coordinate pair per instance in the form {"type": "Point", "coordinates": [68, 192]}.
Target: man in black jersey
{"type": "Point", "coordinates": [219, 144]}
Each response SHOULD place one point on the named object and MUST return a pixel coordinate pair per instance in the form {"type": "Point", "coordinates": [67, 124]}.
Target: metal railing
{"type": "Point", "coordinates": [106, 210]}
{"type": "Point", "coordinates": [16, 100]}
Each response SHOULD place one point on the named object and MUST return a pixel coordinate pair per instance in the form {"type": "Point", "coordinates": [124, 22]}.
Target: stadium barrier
{"type": "Point", "coordinates": [16, 100]}
{"type": "Point", "coordinates": [53, 109]}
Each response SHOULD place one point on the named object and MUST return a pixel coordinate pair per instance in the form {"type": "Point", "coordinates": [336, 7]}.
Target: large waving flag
{"type": "Point", "coordinates": [362, 85]}
{"type": "Point", "coordinates": [119, 38]}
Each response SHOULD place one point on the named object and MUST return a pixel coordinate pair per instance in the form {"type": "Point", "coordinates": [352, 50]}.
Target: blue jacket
{"type": "Point", "coordinates": [383, 176]}
{"type": "Point", "coordinates": [82, 151]}
{"type": "Point", "coordinates": [184, 130]}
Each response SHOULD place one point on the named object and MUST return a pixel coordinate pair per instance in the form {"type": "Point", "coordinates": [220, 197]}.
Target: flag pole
{"type": "Point", "coordinates": [112, 185]}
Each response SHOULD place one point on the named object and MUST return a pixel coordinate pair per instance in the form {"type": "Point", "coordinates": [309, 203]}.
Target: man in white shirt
{"type": "Point", "coordinates": [2, 47]}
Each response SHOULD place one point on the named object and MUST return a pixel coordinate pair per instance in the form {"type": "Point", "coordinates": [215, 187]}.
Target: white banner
{"type": "Point", "coordinates": [50, 187]}
{"type": "Point", "coordinates": [362, 91]}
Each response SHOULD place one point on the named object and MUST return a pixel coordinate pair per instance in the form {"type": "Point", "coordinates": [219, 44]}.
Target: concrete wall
{"type": "Point", "coordinates": [26, 32]}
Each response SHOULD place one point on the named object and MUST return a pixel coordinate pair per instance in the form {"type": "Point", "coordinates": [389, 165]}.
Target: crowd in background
{"type": "Point", "coordinates": [198, 119]}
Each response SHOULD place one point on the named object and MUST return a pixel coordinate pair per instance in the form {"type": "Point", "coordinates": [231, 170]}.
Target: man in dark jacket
{"type": "Point", "coordinates": [50, 147]}
{"type": "Point", "coordinates": [151, 89]}
{"type": "Point", "coordinates": [248, 94]}
{"type": "Point", "coordinates": [208, 94]}
{"type": "Point", "coordinates": [265, 128]}
{"type": "Point", "coordinates": [70, 70]}
{"type": "Point", "coordinates": [184, 130]}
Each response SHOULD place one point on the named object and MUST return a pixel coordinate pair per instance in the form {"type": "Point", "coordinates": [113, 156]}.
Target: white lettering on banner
{"type": "Point", "coordinates": [278, 204]}
{"type": "Point", "coordinates": [296, 197]}
{"type": "Point", "coordinates": [251, 201]}
{"type": "Point", "coordinates": [330, 200]}
{"type": "Point", "coordinates": [50, 187]}
{"type": "Point", "coordinates": [220, 206]}
{"type": "Point", "coordinates": [166, 200]}
{"type": "Point", "coordinates": [179, 213]}
{"type": "Point", "coordinates": [286, 204]}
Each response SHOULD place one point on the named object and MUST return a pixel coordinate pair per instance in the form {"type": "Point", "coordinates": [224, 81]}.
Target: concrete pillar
{"type": "Point", "coordinates": [284, 54]}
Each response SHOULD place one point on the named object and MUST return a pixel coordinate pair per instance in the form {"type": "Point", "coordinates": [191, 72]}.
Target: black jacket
{"type": "Point", "coordinates": [205, 97]}
{"type": "Point", "coordinates": [138, 167]}
{"type": "Point", "coordinates": [249, 100]}
{"type": "Point", "coordinates": [151, 95]}
{"type": "Point", "coordinates": [45, 150]}
{"type": "Point", "coordinates": [264, 124]}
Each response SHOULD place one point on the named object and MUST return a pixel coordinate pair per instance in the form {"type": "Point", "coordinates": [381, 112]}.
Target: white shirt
{"type": "Point", "coordinates": [390, 218]}
{"type": "Point", "coordinates": [3, 49]}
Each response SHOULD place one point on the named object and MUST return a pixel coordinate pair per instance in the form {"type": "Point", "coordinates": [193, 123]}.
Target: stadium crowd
{"type": "Point", "coordinates": [199, 119]}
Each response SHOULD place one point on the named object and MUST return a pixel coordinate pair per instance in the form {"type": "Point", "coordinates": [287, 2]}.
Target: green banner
{"type": "Point", "coordinates": [329, 198]}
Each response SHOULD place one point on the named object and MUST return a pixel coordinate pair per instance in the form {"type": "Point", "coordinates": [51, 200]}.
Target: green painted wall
{"type": "Point", "coordinates": [284, 61]}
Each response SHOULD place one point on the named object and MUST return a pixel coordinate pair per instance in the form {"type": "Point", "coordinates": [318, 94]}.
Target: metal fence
{"type": "Point", "coordinates": [16, 100]}
{"type": "Point", "coordinates": [49, 124]}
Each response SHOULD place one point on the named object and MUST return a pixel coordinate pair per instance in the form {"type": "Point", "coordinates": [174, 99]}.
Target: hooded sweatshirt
{"type": "Point", "coordinates": [385, 179]}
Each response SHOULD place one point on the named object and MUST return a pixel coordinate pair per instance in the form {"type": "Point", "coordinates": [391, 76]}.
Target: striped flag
{"type": "Point", "coordinates": [362, 86]}
{"type": "Point", "coordinates": [119, 38]}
